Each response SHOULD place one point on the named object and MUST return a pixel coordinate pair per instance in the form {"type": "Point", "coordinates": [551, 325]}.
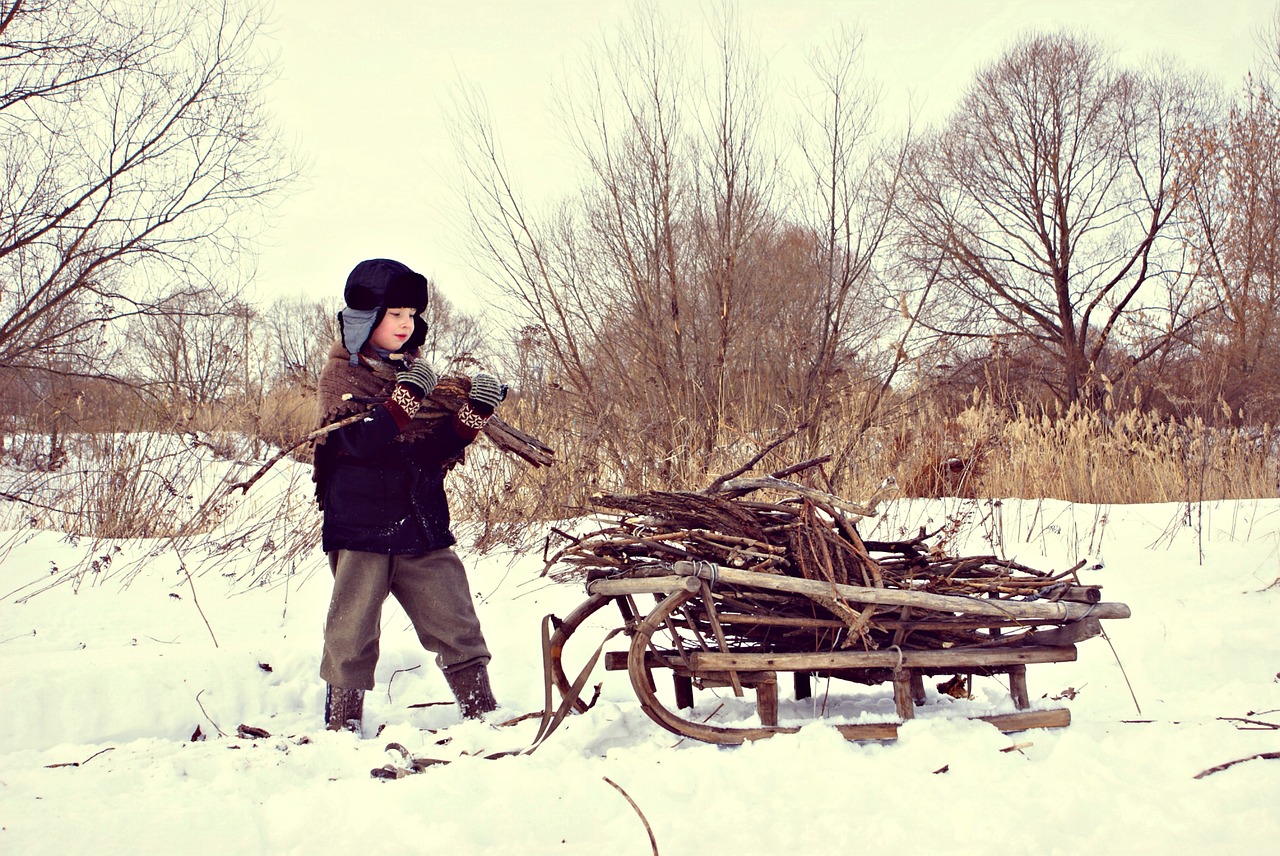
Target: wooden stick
{"type": "Point", "coordinates": [507, 438]}
{"type": "Point", "coordinates": [898, 597]}
{"type": "Point", "coordinates": [1076, 631]}
{"type": "Point", "coordinates": [800, 467]}
{"type": "Point", "coordinates": [716, 485]}
{"type": "Point", "coordinates": [770, 483]}
{"type": "Point", "coordinates": [955, 624]}
{"type": "Point", "coordinates": [709, 605]}
{"type": "Point", "coordinates": [644, 585]}
{"type": "Point", "coordinates": [1054, 717]}
{"type": "Point", "coordinates": [316, 434]}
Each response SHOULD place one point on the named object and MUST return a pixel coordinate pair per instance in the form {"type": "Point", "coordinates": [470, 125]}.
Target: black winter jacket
{"type": "Point", "coordinates": [383, 496]}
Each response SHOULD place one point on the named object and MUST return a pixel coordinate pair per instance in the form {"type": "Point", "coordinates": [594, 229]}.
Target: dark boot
{"type": "Point", "coordinates": [343, 709]}
{"type": "Point", "coordinates": [470, 686]}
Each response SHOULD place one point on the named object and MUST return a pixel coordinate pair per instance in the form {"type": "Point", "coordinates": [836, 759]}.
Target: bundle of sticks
{"type": "Point", "coordinates": [449, 395]}
{"type": "Point", "coordinates": [444, 401]}
{"type": "Point", "coordinates": [774, 526]}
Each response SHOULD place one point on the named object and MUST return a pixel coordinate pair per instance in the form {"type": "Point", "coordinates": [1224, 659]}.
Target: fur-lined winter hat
{"type": "Point", "coordinates": [373, 286]}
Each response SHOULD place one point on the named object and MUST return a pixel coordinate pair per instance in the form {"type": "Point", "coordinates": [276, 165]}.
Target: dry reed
{"type": "Point", "coordinates": [129, 483]}
{"type": "Point", "coordinates": [1089, 456]}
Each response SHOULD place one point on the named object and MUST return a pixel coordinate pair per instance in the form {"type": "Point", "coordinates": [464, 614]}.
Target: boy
{"type": "Point", "coordinates": [380, 484]}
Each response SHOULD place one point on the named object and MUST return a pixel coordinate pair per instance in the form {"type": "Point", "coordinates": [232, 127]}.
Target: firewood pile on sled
{"type": "Point", "coordinates": [754, 576]}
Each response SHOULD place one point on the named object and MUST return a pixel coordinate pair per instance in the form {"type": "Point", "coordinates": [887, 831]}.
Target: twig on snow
{"type": "Point", "coordinates": [80, 763]}
{"type": "Point", "coordinates": [207, 716]}
{"type": "Point", "coordinates": [1123, 673]}
{"type": "Point", "coordinates": [653, 842]}
{"type": "Point", "coordinates": [194, 598]}
{"type": "Point", "coordinates": [1257, 724]}
{"type": "Point", "coordinates": [393, 677]}
{"type": "Point", "coordinates": [1265, 756]}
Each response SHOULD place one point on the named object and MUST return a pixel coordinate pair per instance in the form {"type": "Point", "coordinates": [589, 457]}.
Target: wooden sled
{"type": "Point", "coordinates": [714, 626]}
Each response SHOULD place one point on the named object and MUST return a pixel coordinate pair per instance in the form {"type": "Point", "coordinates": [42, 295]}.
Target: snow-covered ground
{"type": "Point", "coordinates": [106, 678]}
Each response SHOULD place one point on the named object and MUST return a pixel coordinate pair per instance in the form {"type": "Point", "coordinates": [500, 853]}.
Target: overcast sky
{"type": "Point", "coordinates": [363, 87]}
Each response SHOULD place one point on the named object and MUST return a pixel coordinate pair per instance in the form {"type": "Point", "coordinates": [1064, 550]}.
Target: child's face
{"type": "Point", "coordinates": [395, 329]}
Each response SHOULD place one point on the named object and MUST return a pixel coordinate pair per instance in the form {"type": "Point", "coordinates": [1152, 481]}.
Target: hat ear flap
{"type": "Point", "coordinates": [355, 326]}
{"type": "Point", "coordinates": [419, 335]}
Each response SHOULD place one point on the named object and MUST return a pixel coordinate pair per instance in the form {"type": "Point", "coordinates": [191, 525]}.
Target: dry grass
{"type": "Point", "coordinates": [137, 482]}
{"type": "Point", "coordinates": [123, 485]}
{"type": "Point", "coordinates": [1097, 457]}
{"type": "Point", "coordinates": [284, 416]}
{"type": "Point", "coordinates": [1100, 457]}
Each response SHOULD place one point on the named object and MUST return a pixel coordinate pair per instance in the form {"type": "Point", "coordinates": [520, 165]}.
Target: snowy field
{"type": "Point", "coordinates": [125, 692]}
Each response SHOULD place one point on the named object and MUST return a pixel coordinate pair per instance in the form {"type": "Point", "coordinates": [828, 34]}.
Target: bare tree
{"type": "Point", "coordinates": [296, 335]}
{"type": "Point", "coordinates": [135, 150]}
{"type": "Point", "coordinates": [195, 350]}
{"type": "Point", "coordinates": [733, 219]}
{"type": "Point", "coordinates": [456, 343]}
{"type": "Point", "coordinates": [848, 189]}
{"type": "Point", "coordinates": [604, 277]}
{"type": "Point", "coordinates": [671, 305]}
{"type": "Point", "coordinates": [1233, 169]}
{"type": "Point", "coordinates": [1046, 204]}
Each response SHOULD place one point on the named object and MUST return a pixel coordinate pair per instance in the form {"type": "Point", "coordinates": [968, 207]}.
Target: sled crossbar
{"type": "Point", "coordinates": [958, 659]}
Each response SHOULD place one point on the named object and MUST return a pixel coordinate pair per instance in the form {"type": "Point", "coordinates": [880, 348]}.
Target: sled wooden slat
{"type": "Point", "coordinates": [1054, 717]}
{"type": "Point", "coordinates": [950, 660]}
{"type": "Point", "coordinates": [957, 659]}
{"type": "Point", "coordinates": [869, 730]}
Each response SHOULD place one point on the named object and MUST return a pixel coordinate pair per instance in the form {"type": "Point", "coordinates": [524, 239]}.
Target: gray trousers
{"type": "Point", "coordinates": [434, 592]}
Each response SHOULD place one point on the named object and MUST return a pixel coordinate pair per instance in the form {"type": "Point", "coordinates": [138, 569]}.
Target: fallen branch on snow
{"type": "Point", "coordinates": [1272, 756]}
